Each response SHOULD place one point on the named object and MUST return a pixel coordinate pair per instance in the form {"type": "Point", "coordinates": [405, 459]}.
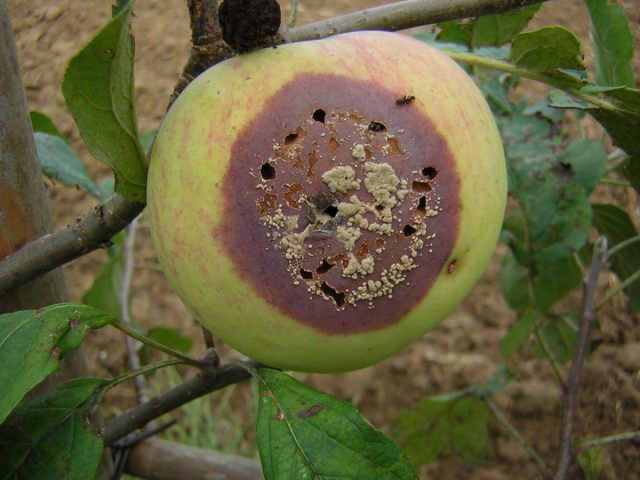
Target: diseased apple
{"type": "Point", "coordinates": [321, 205]}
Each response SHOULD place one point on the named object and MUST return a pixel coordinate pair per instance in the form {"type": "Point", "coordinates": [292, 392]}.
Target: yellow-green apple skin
{"type": "Point", "coordinates": [321, 205]}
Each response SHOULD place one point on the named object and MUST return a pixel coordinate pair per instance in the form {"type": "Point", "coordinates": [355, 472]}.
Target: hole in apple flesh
{"type": "Point", "coordinates": [306, 274]}
{"type": "Point", "coordinates": [319, 115]}
{"type": "Point", "coordinates": [429, 172]}
{"type": "Point", "coordinates": [376, 127]}
{"type": "Point", "coordinates": [408, 230]}
{"type": "Point", "coordinates": [267, 172]}
{"type": "Point", "coordinates": [419, 186]}
{"type": "Point", "coordinates": [329, 291]}
{"type": "Point", "coordinates": [331, 210]}
{"type": "Point", "coordinates": [289, 139]}
{"type": "Point", "coordinates": [422, 205]}
{"type": "Point", "coordinates": [324, 267]}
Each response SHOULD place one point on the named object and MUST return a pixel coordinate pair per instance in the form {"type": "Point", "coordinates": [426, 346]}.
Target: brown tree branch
{"type": "Point", "coordinates": [157, 459]}
{"type": "Point", "coordinates": [207, 48]}
{"type": "Point", "coordinates": [206, 381]}
{"type": "Point", "coordinates": [403, 15]}
{"type": "Point", "coordinates": [91, 231]}
{"type": "Point", "coordinates": [565, 456]}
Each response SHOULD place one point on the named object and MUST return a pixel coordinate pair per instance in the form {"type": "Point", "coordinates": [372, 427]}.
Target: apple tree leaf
{"type": "Point", "coordinates": [59, 161]}
{"type": "Point", "coordinates": [588, 162]}
{"type": "Point", "coordinates": [554, 207]}
{"type": "Point", "coordinates": [560, 336]}
{"type": "Point", "coordinates": [547, 49]}
{"type": "Point", "coordinates": [591, 462]}
{"type": "Point", "coordinates": [620, 118]}
{"type": "Point", "coordinates": [51, 436]}
{"type": "Point", "coordinates": [488, 30]}
{"type": "Point", "coordinates": [105, 289]}
{"type": "Point", "coordinates": [437, 429]}
{"type": "Point", "coordinates": [32, 343]}
{"type": "Point", "coordinates": [453, 31]}
{"type": "Point", "coordinates": [42, 123]}
{"type": "Point", "coordinates": [99, 92]}
{"type": "Point", "coordinates": [613, 43]}
{"type": "Point", "coordinates": [303, 433]}
{"type": "Point", "coordinates": [495, 384]}
{"type": "Point", "coordinates": [171, 338]}
{"type": "Point", "coordinates": [496, 30]}
{"type": "Point", "coordinates": [614, 223]}
{"type": "Point", "coordinates": [517, 334]}
{"type": "Point", "coordinates": [514, 282]}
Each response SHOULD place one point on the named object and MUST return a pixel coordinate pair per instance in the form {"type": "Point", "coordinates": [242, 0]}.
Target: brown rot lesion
{"type": "Point", "coordinates": [354, 219]}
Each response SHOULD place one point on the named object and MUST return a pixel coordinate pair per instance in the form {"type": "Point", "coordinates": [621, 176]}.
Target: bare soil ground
{"type": "Point", "coordinates": [464, 350]}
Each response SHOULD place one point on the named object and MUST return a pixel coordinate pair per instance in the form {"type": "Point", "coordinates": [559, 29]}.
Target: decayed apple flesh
{"type": "Point", "coordinates": [335, 199]}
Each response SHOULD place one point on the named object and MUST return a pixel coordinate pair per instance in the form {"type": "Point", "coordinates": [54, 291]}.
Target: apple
{"type": "Point", "coordinates": [320, 205]}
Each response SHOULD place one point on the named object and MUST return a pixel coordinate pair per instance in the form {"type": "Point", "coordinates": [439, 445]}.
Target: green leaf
{"type": "Point", "coordinates": [50, 437]}
{"type": "Point", "coordinates": [548, 48]}
{"type": "Point", "coordinates": [588, 162]}
{"type": "Point", "coordinates": [556, 209]}
{"type": "Point", "coordinates": [616, 225]}
{"type": "Point", "coordinates": [303, 433]}
{"type": "Point", "coordinates": [613, 43]}
{"type": "Point", "coordinates": [554, 281]}
{"type": "Point", "coordinates": [517, 334]}
{"type": "Point", "coordinates": [42, 123]}
{"type": "Point", "coordinates": [560, 336]}
{"type": "Point", "coordinates": [514, 283]}
{"type": "Point", "coordinates": [621, 119]}
{"type": "Point", "coordinates": [104, 293]}
{"type": "Point", "coordinates": [496, 30]}
{"type": "Point", "coordinates": [455, 32]}
{"type": "Point", "coordinates": [171, 338]}
{"type": "Point", "coordinates": [120, 6]}
{"type": "Point", "coordinates": [495, 385]}
{"type": "Point", "coordinates": [632, 172]}
{"type": "Point", "coordinates": [99, 92]}
{"type": "Point", "coordinates": [439, 427]}
{"type": "Point", "coordinates": [59, 161]}
{"type": "Point", "coordinates": [591, 463]}
{"type": "Point", "coordinates": [32, 343]}
{"type": "Point", "coordinates": [147, 139]}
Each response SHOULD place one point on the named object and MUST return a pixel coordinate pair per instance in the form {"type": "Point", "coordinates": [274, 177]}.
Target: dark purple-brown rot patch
{"type": "Point", "coordinates": [341, 206]}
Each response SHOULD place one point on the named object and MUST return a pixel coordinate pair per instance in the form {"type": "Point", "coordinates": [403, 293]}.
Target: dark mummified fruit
{"type": "Point", "coordinates": [249, 24]}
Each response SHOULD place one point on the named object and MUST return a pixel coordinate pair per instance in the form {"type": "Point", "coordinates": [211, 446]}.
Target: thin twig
{"type": "Point", "coordinates": [140, 371]}
{"type": "Point", "coordinates": [123, 298]}
{"type": "Point", "coordinates": [293, 18]}
{"type": "Point", "coordinates": [598, 442]}
{"type": "Point", "coordinates": [206, 381]}
{"type": "Point", "coordinates": [537, 330]}
{"type": "Point", "coordinates": [617, 290]}
{"type": "Point", "coordinates": [619, 246]}
{"type": "Point", "coordinates": [130, 332]}
{"type": "Point", "coordinates": [402, 15]}
{"type": "Point", "coordinates": [515, 433]}
{"type": "Point", "coordinates": [565, 456]}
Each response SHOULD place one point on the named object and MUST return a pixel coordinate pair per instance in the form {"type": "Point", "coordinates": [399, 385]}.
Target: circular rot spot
{"type": "Point", "coordinates": [332, 209]}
